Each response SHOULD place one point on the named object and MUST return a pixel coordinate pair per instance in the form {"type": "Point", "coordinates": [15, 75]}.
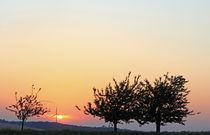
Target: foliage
{"type": "Point", "coordinates": [115, 103]}
{"type": "Point", "coordinates": [164, 102]}
{"type": "Point", "coordinates": [28, 106]}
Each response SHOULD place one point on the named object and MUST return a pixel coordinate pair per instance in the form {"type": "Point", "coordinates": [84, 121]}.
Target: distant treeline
{"type": "Point", "coordinates": [69, 132]}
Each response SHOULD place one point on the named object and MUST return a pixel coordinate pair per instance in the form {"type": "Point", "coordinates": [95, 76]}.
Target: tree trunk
{"type": "Point", "coordinates": [23, 121]}
{"type": "Point", "coordinates": [115, 127]}
{"type": "Point", "coordinates": [157, 126]}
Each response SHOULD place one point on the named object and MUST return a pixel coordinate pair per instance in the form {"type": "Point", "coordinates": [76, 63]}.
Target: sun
{"type": "Point", "coordinates": [60, 117]}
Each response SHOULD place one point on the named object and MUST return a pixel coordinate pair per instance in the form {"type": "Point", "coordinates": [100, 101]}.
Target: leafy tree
{"type": "Point", "coordinates": [114, 103]}
{"type": "Point", "coordinates": [164, 102]}
{"type": "Point", "coordinates": [27, 106]}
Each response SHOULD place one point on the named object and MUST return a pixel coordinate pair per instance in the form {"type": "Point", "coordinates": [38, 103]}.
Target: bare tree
{"type": "Point", "coordinates": [28, 106]}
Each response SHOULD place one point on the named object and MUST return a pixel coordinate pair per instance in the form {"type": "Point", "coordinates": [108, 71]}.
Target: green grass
{"type": "Point", "coordinates": [68, 132]}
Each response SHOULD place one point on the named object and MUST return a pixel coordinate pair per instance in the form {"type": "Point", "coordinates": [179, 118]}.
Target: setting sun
{"type": "Point", "coordinates": [60, 117]}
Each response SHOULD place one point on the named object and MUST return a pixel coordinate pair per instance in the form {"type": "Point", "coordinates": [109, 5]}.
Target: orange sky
{"type": "Point", "coordinates": [67, 48]}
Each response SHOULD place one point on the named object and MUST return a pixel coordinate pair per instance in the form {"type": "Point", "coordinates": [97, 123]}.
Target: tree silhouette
{"type": "Point", "coordinates": [27, 106]}
{"type": "Point", "coordinates": [164, 102]}
{"type": "Point", "coordinates": [114, 104]}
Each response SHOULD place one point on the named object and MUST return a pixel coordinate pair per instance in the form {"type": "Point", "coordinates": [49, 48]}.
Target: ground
{"type": "Point", "coordinates": [68, 132]}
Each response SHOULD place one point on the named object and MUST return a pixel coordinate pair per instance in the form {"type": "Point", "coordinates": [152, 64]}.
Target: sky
{"type": "Point", "coordinates": [68, 47]}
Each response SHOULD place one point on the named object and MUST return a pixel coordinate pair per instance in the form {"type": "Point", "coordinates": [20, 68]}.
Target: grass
{"type": "Point", "coordinates": [69, 132]}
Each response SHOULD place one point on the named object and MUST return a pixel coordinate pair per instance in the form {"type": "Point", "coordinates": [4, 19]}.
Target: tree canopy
{"type": "Point", "coordinates": [114, 103]}
{"type": "Point", "coordinates": [165, 101]}
{"type": "Point", "coordinates": [28, 106]}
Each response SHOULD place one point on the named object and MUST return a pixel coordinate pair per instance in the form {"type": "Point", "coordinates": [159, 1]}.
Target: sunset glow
{"type": "Point", "coordinates": [60, 116]}
{"type": "Point", "coordinates": [69, 47]}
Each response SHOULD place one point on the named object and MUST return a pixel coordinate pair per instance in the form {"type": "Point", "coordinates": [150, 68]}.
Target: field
{"type": "Point", "coordinates": [68, 132]}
